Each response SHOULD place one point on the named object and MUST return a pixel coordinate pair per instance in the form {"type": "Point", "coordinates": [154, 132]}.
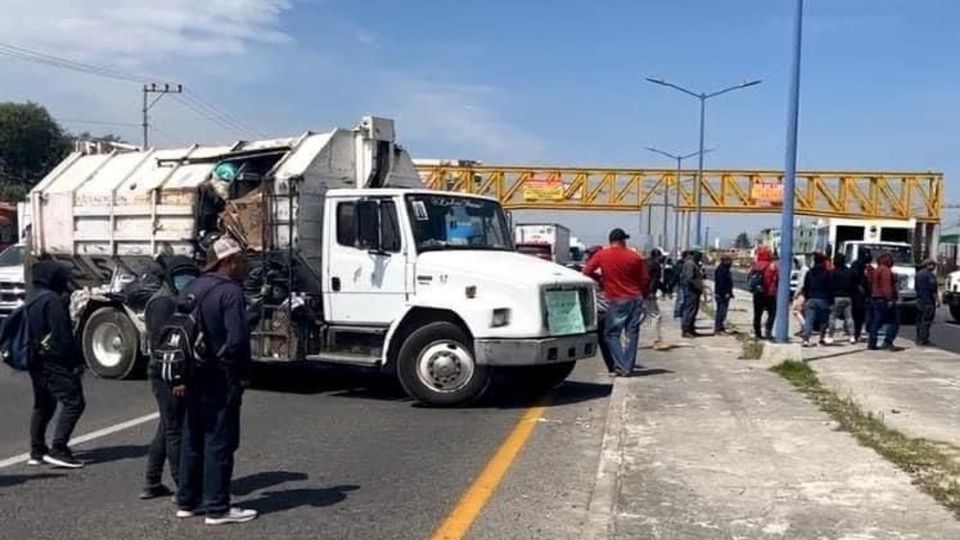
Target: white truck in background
{"type": "Point", "coordinates": [352, 260]}
{"type": "Point", "coordinates": [548, 241]}
{"type": "Point", "coordinates": [852, 236]}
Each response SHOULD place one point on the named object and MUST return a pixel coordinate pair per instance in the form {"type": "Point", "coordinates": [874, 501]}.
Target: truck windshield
{"type": "Point", "coordinates": [902, 255]}
{"type": "Point", "coordinates": [12, 256]}
{"type": "Point", "coordinates": [452, 222]}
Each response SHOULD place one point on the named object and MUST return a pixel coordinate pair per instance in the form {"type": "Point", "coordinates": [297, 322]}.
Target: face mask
{"type": "Point", "coordinates": [180, 282]}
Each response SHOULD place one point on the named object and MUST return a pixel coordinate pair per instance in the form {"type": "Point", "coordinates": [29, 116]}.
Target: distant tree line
{"type": "Point", "coordinates": [32, 143]}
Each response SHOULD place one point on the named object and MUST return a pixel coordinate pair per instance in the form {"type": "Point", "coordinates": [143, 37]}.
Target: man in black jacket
{"type": "Point", "coordinates": [174, 273]}
{"type": "Point", "coordinates": [723, 293]}
{"type": "Point", "coordinates": [818, 293]}
{"type": "Point", "coordinates": [653, 313]}
{"type": "Point", "coordinates": [845, 289]}
{"type": "Point", "coordinates": [56, 375]}
{"type": "Point", "coordinates": [212, 433]}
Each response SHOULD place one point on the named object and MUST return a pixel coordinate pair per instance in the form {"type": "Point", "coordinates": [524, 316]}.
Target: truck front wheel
{"type": "Point", "coordinates": [110, 344]}
{"type": "Point", "coordinates": [436, 365]}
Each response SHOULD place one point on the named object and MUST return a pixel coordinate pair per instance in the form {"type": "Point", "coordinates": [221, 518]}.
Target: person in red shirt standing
{"type": "Point", "coordinates": [762, 281]}
{"type": "Point", "coordinates": [625, 282]}
{"type": "Point", "coordinates": [883, 304]}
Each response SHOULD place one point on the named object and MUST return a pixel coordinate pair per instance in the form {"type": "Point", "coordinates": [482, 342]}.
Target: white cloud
{"type": "Point", "coordinates": [460, 117]}
{"type": "Point", "coordinates": [366, 37]}
{"type": "Point", "coordinates": [135, 31]}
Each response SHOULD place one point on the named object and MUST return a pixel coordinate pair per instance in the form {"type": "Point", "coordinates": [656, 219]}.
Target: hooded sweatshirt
{"type": "Point", "coordinates": [49, 318]}
{"type": "Point", "coordinates": [764, 265]}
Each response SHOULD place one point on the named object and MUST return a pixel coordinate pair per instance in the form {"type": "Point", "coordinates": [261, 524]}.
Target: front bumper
{"type": "Point", "coordinates": [535, 351]}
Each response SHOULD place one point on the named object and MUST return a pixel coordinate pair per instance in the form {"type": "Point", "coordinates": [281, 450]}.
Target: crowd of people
{"type": "Point", "coordinates": [199, 428]}
{"type": "Point", "coordinates": [832, 296]}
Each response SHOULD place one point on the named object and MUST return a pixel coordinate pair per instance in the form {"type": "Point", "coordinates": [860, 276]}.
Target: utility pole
{"type": "Point", "coordinates": [161, 90]}
{"type": "Point", "coordinates": [782, 329]}
{"type": "Point", "coordinates": [676, 207]}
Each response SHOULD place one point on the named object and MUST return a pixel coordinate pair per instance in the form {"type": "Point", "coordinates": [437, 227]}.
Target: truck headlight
{"type": "Point", "coordinates": [501, 317]}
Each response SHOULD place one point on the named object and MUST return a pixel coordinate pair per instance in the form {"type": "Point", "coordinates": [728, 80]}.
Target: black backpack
{"type": "Point", "coordinates": [17, 345]}
{"type": "Point", "coordinates": [755, 281]}
{"type": "Point", "coordinates": [181, 347]}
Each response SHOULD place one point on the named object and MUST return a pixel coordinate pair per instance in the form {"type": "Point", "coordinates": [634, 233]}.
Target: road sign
{"type": "Point", "coordinates": [766, 191]}
{"type": "Point", "coordinates": [543, 189]}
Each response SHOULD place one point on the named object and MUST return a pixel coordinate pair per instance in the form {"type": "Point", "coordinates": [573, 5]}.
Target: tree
{"type": "Point", "coordinates": [31, 144]}
{"type": "Point", "coordinates": [742, 241]}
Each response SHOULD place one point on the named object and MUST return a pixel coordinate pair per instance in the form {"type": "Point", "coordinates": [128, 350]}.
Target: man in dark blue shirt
{"type": "Point", "coordinates": [927, 301]}
{"type": "Point", "coordinates": [723, 292]}
{"type": "Point", "coordinates": [212, 433]}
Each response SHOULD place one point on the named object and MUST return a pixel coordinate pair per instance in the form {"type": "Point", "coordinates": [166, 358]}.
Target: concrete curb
{"type": "Point", "coordinates": [601, 511]}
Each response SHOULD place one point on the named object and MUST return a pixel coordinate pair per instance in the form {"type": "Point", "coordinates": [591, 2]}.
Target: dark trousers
{"type": "Point", "coordinates": [720, 318]}
{"type": "Point", "coordinates": [210, 437]}
{"type": "Point", "coordinates": [49, 388]}
{"type": "Point", "coordinates": [859, 308]}
{"type": "Point", "coordinates": [925, 314]}
{"type": "Point", "coordinates": [166, 444]}
{"type": "Point", "coordinates": [691, 306]}
{"type": "Point", "coordinates": [764, 304]}
{"type": "Point", "coordinates": [882, 314]}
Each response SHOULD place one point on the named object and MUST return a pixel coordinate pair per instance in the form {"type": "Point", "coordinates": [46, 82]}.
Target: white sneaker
{"type": "Point", "coordinates": [34, 462]}
{"type": "Point", "coordinates": [184, 514]}
{"type": "Point", "coordinates": [235, 515]}
{"type": "Point", "coordinates": [853, 341]}
{"type": "Point", "coordinates": [828, 340]}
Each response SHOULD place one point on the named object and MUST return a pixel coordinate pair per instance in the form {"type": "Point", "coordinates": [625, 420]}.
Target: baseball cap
{"type": "Point", "coordinates": [222, 249]}
{"type": "Point", "coordinates": [618, 235]}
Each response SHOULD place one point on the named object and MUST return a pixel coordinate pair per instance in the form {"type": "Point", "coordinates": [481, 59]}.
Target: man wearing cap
{"type": "Point", "coordinates": [927, 301]}
{"type": "Point", "coordinates": [625, 282]}
{"type": "Point", "coordinates": [212, 432]}
{"type": "Point", "coordinates": [693, 281]}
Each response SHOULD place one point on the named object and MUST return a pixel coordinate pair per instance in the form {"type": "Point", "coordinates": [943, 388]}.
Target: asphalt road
{"type": "Point", "coordinates": [326, 453]}
{"type": "Point", "coordinates": [945, 332]}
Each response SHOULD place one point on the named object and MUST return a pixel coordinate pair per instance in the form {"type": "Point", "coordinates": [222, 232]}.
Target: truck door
{"type": "Point", "coordinates": [366, 262]}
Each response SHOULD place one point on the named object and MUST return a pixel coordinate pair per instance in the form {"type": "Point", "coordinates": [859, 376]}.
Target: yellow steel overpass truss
{"type": "Point", "coordinates": [865, 195]}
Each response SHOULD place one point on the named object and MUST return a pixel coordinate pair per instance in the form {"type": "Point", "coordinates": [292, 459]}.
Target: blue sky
{"type": "Point", "coordinates": [557, 82]}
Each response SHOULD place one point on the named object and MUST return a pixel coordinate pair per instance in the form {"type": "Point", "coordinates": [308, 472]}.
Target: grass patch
{"type": "Point", "coordinates": [932, 466]}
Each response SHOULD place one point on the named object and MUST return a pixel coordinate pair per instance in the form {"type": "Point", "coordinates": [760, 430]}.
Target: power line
{"type": "Point", "coordinates": [190, 99]}
{"type": "Point", "coordinates": [223, 114]}
{"type": "Point", "coordinates": [96, 122]}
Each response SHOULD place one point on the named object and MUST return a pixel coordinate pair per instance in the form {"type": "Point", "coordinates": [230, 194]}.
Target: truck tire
{"type": "Point", "coordinates": [436, 366]}
{"type": "Point", "coordinates": [111, 344]}
{"type": "Point", "coordinates": [955, 313]}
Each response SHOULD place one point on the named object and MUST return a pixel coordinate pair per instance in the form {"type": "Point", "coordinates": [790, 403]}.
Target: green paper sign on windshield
{"type": "Point", "coordinates": [564, 315]}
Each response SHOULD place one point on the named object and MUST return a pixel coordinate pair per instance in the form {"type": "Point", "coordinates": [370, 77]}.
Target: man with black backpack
{"type": "Point", "coordinates": [215, 387]}
{"type": "Point", "coordinates": [56, 365]}
{"type": "Point", "coordinates": [173, 273]}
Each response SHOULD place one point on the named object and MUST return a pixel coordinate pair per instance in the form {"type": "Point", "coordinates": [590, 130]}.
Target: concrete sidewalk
{"type": "Point", "coordinates": [703, 446]}
{"type": "Point", "coordinates": [917, 390]}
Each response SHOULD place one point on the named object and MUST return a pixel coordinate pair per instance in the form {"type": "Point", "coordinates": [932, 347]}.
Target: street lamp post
{"type": "Point", "coordinates": [782, 330]}
{"type": "Point", "coordinates": [703, 97]}
{"type": "Point", "coordinates": [676, 209]}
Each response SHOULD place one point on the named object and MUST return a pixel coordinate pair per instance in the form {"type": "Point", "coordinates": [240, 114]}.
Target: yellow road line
{"type": "Point", "coordinates": [458, 521]}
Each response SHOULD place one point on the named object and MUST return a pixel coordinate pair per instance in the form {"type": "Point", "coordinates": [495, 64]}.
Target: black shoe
{"type": "Point", "coordinates": [873, 348]}
{"type": "Point", "coordinates": [688, 335]}
{"type": "Point", "coordinates": [154, 492]}
{"type": "Point", "coordinates": [63, 459]}
{"type": "Point", "coordinates": [892, 348]}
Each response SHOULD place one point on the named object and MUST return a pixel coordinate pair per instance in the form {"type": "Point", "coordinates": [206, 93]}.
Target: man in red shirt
{"type": "Point", "coordinates": [883, 304]}
{"type": "Point", "coordinates": [625, 281]}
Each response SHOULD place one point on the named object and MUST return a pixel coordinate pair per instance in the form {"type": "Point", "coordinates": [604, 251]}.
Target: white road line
{"type": "Point", "coordinates": [89, 436]}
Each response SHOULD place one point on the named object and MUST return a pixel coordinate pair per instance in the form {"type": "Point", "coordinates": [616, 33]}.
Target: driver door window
{"type": "Point", "coordinates": [367, 282]}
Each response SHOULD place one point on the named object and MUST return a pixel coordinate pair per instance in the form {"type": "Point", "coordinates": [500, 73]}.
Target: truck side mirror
{"type": "Point", "coordinates": [368, 225]}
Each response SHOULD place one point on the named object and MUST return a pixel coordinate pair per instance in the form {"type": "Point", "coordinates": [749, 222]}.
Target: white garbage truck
{"type": "Point", "coordinates": [353, 261]}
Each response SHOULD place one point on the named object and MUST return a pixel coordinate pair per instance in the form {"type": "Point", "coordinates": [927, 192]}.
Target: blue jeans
{"type": "Point", "coordinates": [816, 316]}
{"type": "Point", "coordinates": [882, 314]}
{"type": "Point", "coordinates": [720, 318]}
{"type": "Point", "coordinates": [678, 302]}
{"type": "Point", "coordinates": [623, 317]}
